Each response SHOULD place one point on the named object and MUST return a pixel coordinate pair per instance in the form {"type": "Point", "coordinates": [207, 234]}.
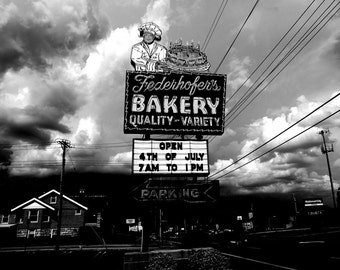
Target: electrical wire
{"type": "Point", "coordinates": [238, 33]}
{"type": "Point", "coordinates": [36, 164]}
{"type": "Point", "coordinates": [305, 34]}
{"type": "Point", "coordinates": [299, 52]}
{"type": "Point", "coordinates": [272, 50]}
{"type": "Point", "coordinates": [279, 71]}
{"type": "Point", "coordinates": [251, 89]}
{"type": "Point", "coordinates": [69, 155]}
{"type": "Point", "coordinates": [50, 145]}
{"type": "Point", "coordinates": [272, 149]}
{"type": "Point", "coordinates": [16, 146]}
{"type": "Point", "coordinates": [234, 40]}
{"type": "Point", "coordinates": [214, 24]}
{"type": "Point", "coordinates": [280, 133]}
{"type": "Point", "coordinates": [243, 100]}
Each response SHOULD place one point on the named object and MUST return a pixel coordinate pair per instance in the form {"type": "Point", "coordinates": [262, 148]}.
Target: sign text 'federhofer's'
{"type": "Point", "coordinates": [190, 103]}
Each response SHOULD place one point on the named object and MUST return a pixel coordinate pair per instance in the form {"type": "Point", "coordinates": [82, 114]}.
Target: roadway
{"type": "Point", "coordinates": [282, 249]}
{"type": "Point", "coordinates": [70, 247]}
{"type": "Point", "coordinates": [293, 249]}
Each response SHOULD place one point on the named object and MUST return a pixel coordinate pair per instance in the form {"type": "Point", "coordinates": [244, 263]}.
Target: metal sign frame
{"type": "Point", "coordinates": [174, 103]}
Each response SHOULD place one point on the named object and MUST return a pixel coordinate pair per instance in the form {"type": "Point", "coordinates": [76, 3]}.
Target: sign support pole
{"type": "Point", "coordinates": [160, 226]}
{"type": "Point", "coordinates": [145, 231]}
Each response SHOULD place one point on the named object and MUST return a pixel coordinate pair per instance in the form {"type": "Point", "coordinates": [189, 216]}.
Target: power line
{"type": "Point", "coordinates": [238, 105]}
{"type": "Point", "coordinates": [290, 52]}
{"type": "Point", "coordinates": [308, 30]}
{"type": "Point", "coordinates": [285, 130]}
{"type": "Point", "coordinates": [50, 145]}
{"type": "Point", "coordinates": [279, 70]}
{"type": "Point", "coordinates": [279, 145]}
{"type": "Point", "coordinates": [214, 24]}
{"type": "Point", "coordinates": [246, 96]}
{"type": "Point", "coordinates": [98, 146]}
{"type": "Point", "coordinates": [231, 45]}
{"type": "Point", "coordinates": [29, 164]}
{"type": "Point", "coordinates": [69, 155]}
{"type": "Point", "coordinates": [239, 32]}
{"type": "Point", "coordinates": [27, 146]}
{"type": "Point", "coordinates": [103, 144]}
{"type": "Point", "coordinates": [272, 50]}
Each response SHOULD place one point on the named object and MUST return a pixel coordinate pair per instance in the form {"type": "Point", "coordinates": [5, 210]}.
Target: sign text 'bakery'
{"type": "Point", "coordinates": [174, 102]}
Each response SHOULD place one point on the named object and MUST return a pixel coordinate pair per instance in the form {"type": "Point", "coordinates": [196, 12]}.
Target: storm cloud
{"type": "Point", "coordinates": [33, 33]}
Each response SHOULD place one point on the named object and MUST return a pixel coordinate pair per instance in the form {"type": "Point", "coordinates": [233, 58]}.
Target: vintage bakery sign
{"type": "Point", "coordinates": [174, 102]}
{"type": "Point", "coordinates": [170, 157]}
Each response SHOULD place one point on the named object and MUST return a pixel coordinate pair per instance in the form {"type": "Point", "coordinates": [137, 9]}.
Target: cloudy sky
{"type": "Point", "coordinates": [62, 76]}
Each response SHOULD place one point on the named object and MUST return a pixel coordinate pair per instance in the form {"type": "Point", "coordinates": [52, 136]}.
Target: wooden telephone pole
{"type": "Point", "coordinates": [325, 149]}
{"type": "Point", "coordinates": [64, 145]}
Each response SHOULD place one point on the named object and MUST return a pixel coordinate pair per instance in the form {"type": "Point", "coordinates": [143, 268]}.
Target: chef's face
{"type": "Point", "coordinates": [148, 37]}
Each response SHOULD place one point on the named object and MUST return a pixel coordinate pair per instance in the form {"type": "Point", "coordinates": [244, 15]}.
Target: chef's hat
{"type": "Point", "coordinates": [151, 28]}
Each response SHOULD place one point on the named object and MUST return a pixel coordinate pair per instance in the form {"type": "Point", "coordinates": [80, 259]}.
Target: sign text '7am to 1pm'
{"type": "Point", "coordinates": [169, 157]}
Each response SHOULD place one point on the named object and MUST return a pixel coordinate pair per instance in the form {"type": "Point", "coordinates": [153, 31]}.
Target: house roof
{"type": "Point", "coordinates": [7, 225]}
{"type": "Point", "coordinates": [33, 203]}
{"type": "Point", "coordinates": [64, 196]}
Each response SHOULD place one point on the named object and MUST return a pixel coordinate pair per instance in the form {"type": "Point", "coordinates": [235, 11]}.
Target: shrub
{"type": "Point", "coordinates": [207, 259]}
{"type": "Point", "coordinates": [162, 262]}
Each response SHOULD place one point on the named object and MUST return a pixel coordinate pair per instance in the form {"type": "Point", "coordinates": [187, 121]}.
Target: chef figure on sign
{"type": "Point", "coordinates": [148, 55]}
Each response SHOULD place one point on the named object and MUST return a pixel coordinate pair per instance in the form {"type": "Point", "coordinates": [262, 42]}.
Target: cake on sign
{"type": "Point", "coordinates": [149, 55]}
{"type": "Point", "coordinates": [187, 57]}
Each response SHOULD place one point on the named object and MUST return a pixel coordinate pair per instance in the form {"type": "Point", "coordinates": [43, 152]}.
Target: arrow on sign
{"type": "Point", "coordinates": [177, 190]}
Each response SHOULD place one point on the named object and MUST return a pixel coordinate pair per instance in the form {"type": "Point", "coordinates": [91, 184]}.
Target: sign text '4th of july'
{"type": "Point", "coordinates": [170, 157]}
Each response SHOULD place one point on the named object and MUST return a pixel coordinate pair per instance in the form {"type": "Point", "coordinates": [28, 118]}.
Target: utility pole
{"type": "Point", "coordinates": [295, 205]}
{"type": "Point", "coordinates": [64, 145]}
{"type": "Point", "coordinates": [295, 211]}
{"type": "Point", "coordinates": [325, 150]}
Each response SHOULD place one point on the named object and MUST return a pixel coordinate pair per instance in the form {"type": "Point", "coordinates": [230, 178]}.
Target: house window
{"type": "Point", "coordinates": [78, 212]}
{"type": "Point", "coordinates": [5, 219]}
{"type": "Point", "coordinates": [53, 200]}
{"type": "Point", "coordinates": [19, 218]}
{"type": "Point", "coordinates": [33, 215]}
{"type": "Point", "coordinates": [45, 218]}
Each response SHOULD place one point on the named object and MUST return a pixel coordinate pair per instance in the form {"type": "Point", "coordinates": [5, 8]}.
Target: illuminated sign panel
{"type": "Point", "coordinates": [169, 157]}
{"type": "Point", "coordinates": [174, 102]}
{"type": "Point", "coordinates": [313, 202]}
{"type": "Point", "coordinates": [314, 206]}
{"type": "Point", "coordinates": [130, 221]}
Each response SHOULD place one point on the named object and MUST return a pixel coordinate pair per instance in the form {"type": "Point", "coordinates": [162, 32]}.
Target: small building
{"type": "Point", "coordinates": [38, 217]}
